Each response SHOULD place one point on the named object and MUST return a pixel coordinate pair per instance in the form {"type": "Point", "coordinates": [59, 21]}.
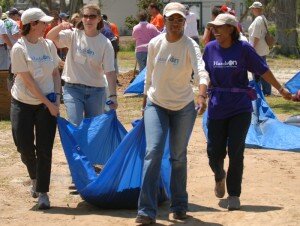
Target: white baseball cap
{"type": "Point", "coordinates": [34, 14]}
{"type": "Point", "coordinates": [174, 8]}
{"type": "Point", "coordinates": [223, 19]}
{"type": "Point", "coordinates": [256, 5]}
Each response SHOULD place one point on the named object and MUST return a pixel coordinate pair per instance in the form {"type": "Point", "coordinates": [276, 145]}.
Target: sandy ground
{"type": "Point", "coordinates": [270, 196]}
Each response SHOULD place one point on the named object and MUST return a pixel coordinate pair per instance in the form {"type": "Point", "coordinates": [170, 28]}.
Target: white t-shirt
{"type": "Point", "coordinates": [2, 31]}
{"type": "Point", "coordinates": [88, 58]}
{"type": "Point", "coordinates": [39, 60]}
{"type": "Point", "coordinates": [190, 28]}
{"type": "Point", "coordinates": [169, 69]}
{"type": "Point", "coordinates": [258, 30]}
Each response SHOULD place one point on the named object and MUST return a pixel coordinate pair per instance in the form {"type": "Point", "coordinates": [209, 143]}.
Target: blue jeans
{"type": "Point", "coordinates": [158, 122]}
{"type": "Point", "coordinates": [83, 101]}
{"type": "Point", "coordinates": [141, 58]}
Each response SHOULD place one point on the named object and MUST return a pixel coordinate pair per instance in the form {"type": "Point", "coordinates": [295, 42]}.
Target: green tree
{"type": "Point", "coordinates": [131, 21]}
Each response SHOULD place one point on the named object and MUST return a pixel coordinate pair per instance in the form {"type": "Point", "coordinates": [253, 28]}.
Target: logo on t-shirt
{"type": "Point", "coordinates": [170, 59]}
{"type": "Point", "coordinates": [43, 58]}
{"type": "Point", "coordinates": [85, 51]}
{"type": "Point", "coordinates": [174, 60]}
{"type": "Point", "coordinates": [229, 63]}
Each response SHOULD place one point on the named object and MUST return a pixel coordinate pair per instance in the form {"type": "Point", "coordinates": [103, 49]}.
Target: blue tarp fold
{"type": "Point", "coordinates": [137, 86]}
{"type": "Point", "coordinates": [266, 131]}
{"type": "Point", "coordinates": [118, 184]}
{"type": "Point", "coordinates": [293, 85]}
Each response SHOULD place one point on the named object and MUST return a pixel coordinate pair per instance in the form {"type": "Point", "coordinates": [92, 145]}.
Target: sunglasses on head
{"type": "Point", "coordinates": [91, 16]}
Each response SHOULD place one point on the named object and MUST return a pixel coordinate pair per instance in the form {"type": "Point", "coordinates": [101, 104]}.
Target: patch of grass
{"type": "Point", "coordinates": [5, 125]}
{"type": "Point", "coordinates": [281, 106]}
{"type": "Point", "coordinates": [126, 59]}
{"type": "Point", "coordinates": [280, 62]}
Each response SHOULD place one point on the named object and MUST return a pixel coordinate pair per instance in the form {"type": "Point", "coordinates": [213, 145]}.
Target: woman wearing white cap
{"type": "Point", "coordinates": [227, 60]}
{"type": "Point", "coordinates": [257, 32]}
{"type": "Point", "coordinates": [170, 108]}
{"type": "Point", "coordinates": [34, 105]}
{"type": "Point", "coordinates": [90, 56]}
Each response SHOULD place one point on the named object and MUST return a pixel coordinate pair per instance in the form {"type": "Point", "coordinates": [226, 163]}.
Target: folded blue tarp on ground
{"type": "Point", "coordinates": [266, 131]}
{"type": "Point", "coordinates": [293, 85]}
{"type": "Point", "coordinates": [118, 184]}
{"type": "Point", "coordinates": [137, 86]}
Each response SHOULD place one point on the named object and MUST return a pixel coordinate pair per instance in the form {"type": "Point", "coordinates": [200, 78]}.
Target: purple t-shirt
{"type": "Point", "coordinates": [227, 68]}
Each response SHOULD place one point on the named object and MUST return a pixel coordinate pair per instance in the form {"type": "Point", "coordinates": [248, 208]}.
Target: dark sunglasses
{"type": "Point", "coordinates": [91, 16]}
{"type": "Point", "coordinates": [172, 19]}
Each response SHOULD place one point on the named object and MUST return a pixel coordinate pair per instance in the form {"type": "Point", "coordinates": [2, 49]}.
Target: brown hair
{"type": "Point", "coordinates": [154, 6]}
{"type": "Point", "coordinates": [25, 29]}
{"type": "Point", "coordinates": [92, 7]}
{"type": "Point", "coordinates": [142, 15]}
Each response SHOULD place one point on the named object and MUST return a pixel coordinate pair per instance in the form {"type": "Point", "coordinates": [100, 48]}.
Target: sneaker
{"type": "Point", "coordinates": [33, 192]}
{"type": "Point", "coordinates": [233, 203]}
{"type": "Point", "coordinates": [43, 202]}
{"type": "Point", "coordinates": [180, 215]}
{"type": "Point", "coordinates": [220, 188]}
{"type": "Point", "coordinates": [144, 220]}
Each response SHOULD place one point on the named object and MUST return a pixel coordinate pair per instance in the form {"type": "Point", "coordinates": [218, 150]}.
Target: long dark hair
{"type": "Point", "coordinates": [93, 7]}
{"type": "Point", "coordinates": [235, 35]}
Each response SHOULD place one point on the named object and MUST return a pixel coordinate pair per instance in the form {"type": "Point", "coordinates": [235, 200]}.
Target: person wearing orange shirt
{"type": "Point", "coordinates": [156, 18]}
{"type": "Point", "coordinates": [113, 26]}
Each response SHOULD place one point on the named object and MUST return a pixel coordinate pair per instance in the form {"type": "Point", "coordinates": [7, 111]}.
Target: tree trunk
{"type": "Point", "coordinates": [75, 5]}
{"type": "Point", "coordinates": [49, 4]}
{"type": "Point", "coordinates": [286, 32]}
{"type": "Point", "coordinates": [63, 6]}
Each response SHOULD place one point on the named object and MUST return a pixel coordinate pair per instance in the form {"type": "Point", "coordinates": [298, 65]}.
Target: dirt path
{"type": "Point", "coordinates": [271, 192]}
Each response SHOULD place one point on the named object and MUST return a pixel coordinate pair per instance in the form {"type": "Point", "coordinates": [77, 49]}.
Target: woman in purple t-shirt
{"type": "Point", "coordinates": [227, 61]}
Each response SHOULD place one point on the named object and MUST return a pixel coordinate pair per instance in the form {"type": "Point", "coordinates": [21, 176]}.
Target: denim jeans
{"type": "Point", "coordinates": [83, 101]}
{"type": "Point", "coordinates": [33, 130]}
{"type": "Point", "coordinates": [141, 58]}
{"type": "Point", "coordinates": [158, 122]}
{"type": "Point", "coordinates": [229, 132]}
{"type": "Point", "coordinates": [265, 86]}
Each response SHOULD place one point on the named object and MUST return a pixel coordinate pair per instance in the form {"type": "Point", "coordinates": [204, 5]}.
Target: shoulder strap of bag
{"type": "Point", "coordinates": [265, 24]}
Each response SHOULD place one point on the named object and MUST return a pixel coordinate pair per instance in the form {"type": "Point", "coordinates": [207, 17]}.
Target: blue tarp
{"type": "Point", "coordinates": [137, 86]}
{"type": "Point", "coordinates": [266, 131]}
{"type": "Point", "coordinates": [118, 184]}
{"type": "Point", "coordinates": [293, 85]}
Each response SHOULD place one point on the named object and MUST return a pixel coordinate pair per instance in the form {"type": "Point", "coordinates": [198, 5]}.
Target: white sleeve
{"type": "Point", "coordinates": [108, 58]}
{"type": "Point", "coordinates": [2, 28]}
{"type": "Point", "coordinates": [200, 74]}
{"type": "Point", "coordinates": [18, 59]}
{"type": "Point", "coordinates": [150, 67]}
{"type": "Point", "coordinates": [65, 38]}
{"type": "Point", "coordinates": [258, 28]}
{"type": "Point", "coordinates": [54, 54]}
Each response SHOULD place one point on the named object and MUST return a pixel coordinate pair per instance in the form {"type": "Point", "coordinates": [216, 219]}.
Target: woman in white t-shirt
{"type": "Point", "coordinates": [257, 32]}
{"type": "Point", "coordinates": [90, 56]}
{"type": "Point", "coordinates": [170, 109]}
{"type": "Point", "coordinates": [34, 105]}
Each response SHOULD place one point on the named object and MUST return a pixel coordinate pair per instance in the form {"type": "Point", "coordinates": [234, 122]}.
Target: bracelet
{"type": "Point", "coordinates": [281, 89]}
{"type": "Point", "coordinates": [58, 94]}
{"type": "Point", "coordinates": [204, 97]}
{"type": "Point", "coordinates": [113, 95]}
